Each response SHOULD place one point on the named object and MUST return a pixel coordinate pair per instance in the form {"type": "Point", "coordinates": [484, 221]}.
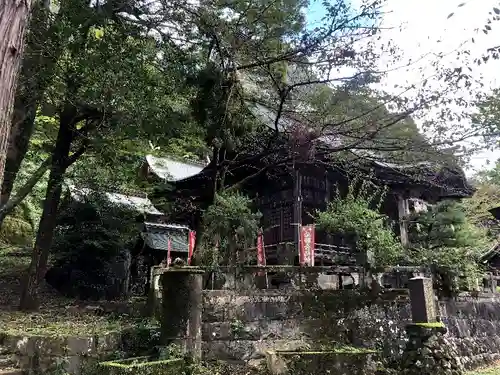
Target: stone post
{"type": "Point", "coordinates": [154, 292]}
{"type": "Point", "coordinates": [181, 309]}
{"type": "Point", "coordinates": [493, 284]}
{"type": "Point", "coordinates": [427, 351]}
{"type": "Point", "coordinates": [423, 304]}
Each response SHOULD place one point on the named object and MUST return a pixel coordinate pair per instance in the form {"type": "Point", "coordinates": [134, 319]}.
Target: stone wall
{"type": "Point", "coordinates": [243, 325]}
{"type": "Point", "coordinates": [473, 328]}
{"type": "Point", "coordinates": [72, 354]}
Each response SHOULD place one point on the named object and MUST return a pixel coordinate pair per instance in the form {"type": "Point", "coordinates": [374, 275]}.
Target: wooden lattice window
{"type": "Point", "coordinates": [287, 223]}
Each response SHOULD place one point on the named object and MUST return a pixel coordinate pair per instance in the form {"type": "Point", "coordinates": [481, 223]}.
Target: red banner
{"type": "Point", "coordinates": [261, 256]}
{"type": "Point", "coordinates": [191, 243]}
{"type": "Point", "coordinates": [169, 250]}
{"type": "Point", "coordinates": [306, 254]}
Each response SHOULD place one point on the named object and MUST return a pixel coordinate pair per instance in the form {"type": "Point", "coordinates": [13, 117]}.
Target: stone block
{"type": "Point", "coordinates": [422, 299]}
{"type": "Point", "coordinates": [247, 350]}
{"type": "Point", "coordinates": [109, 342]}
{"type": "Point", "coordinates": [320, 363]}
{"type": "Point", "coordinates": [53, 346]}
{"type": "Point", "coordinates": [81, 345]}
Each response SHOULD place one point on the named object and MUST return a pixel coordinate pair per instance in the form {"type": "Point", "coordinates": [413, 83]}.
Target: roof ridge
{"type": "Point", "coordinates": [180, 159]}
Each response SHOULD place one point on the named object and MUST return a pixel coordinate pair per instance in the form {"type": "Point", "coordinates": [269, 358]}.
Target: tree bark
{"type": "Point", "coordinates": [39, 257]}
{"type": "Point", "coordinates": [14, 16]}
{"type": "Point", "coordinates": [43, 49]}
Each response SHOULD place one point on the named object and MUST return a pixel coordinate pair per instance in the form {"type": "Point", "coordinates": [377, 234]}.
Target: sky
{"type": "Point", "coordinates": [422, 28]}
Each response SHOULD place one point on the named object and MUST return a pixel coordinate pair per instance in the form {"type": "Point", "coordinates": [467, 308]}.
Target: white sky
{"type": "Point", "coordinates": [425, 22]}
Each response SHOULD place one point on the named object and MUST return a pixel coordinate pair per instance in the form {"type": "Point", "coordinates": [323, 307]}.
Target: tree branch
{"type": "Point", "coordinates": [25, 190]}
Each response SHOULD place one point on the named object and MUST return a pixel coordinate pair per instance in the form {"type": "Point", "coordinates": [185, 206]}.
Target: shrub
{"type": "Point", "coordinates": [356, 216]}
{"type": "Point", "coordinates": [231, 224]}
{"type": "Point", "coordinates": [445, 240]}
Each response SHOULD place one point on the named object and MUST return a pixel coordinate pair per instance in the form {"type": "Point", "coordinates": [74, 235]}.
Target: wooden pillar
{"type": "Point", "coordinates": [181, 309]}
{"type": "Point", "coordinates": [297, 207]}
{"type": "Point", "coordinates": [403, 212]}
{"type": "Point", "coordinates": [327, 189]}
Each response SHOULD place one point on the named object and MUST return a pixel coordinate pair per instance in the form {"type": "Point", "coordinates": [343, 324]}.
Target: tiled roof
{"type": "Point", "coordinates": [172, 170]}
{"type": "Point", "coordinates": [156, 236]}
{"type": "Point", "coordinates": [140, 204]}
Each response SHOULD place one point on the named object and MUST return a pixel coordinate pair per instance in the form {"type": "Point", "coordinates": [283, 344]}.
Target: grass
{"type": "Point", "coordinates": [53, 322]}
{"type": "Point", "coordinates": [58, 316]}
{"type": "Point", "coordinates": [491, 371]}
{"type": "Point", "coordinates": [494, 370]}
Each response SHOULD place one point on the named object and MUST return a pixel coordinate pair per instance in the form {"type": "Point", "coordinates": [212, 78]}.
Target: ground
{"type": "Point", "coordinates": [57, 315]}
{"type": "Point", "coordinates": [495, 370]}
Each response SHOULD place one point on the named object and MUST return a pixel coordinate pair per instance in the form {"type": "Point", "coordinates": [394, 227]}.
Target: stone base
{"type": "Point", "coordinates": [320, 363]}
{"type": "Point", "coordinates": [428, 352]}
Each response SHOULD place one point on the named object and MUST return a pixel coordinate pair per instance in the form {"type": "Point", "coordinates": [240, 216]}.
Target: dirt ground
{"type": "Point", "coordinates": [57, 315]}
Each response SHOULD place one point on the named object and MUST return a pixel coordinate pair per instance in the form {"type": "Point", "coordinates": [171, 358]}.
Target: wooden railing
{"type": "Point", "coordinates": [324, 253]}
{"type": "Point", "coordinates": [334, 254]}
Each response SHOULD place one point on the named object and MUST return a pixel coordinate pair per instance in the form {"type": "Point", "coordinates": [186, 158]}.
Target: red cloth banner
{"type": "Point", "coordinates": [306, 254]}
{"type": "Point", "coordinates": [191, 243]}
{"type": "Point", "coordinates": [261, 256]}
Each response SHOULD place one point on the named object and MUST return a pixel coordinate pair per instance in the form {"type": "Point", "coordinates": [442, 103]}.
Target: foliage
{"type": "Point", "coordinates": [18, 228]}
{"type": "Point", "coordinates": [230, 224]}
{"type": "Point", "coordinates": [356, 216]}
{"type": "Point", "coordinates": [91, 247]}
{"type": "Point", "coordinates": [445, 240]}
{"type": "Point", "coordinates": [486, 197]}
{"type": "Point", "coordinates": [94, 228]}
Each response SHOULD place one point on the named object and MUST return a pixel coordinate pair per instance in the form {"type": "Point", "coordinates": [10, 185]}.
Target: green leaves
{"type": "Point", "coordinates": [230, 224]}
{"type": "Point", "coordinates": [356, 217]}
{"type": "Point", "coordinates": [445, 240]}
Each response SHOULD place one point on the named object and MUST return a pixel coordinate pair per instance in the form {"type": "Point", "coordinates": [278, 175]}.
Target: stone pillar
{"type": "Point", "coordinates": [423, 304]}
{"type": "Point", "coordinates": [181, 309]}
{"type": "Point", "coordinates": [427, 352]}
{"type": "Point", "coordinates": [493, 284]}
{"type": "Point", "coordinates": [403, 212]}
{"type": "Point", "coordinates": [154, 291]}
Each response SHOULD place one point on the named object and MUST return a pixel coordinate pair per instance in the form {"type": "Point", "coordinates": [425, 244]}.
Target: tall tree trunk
{"type": "Point", "coordinates": [14, 16]}
{"type": "Point", "coordinates": [39, 257]}
{"type": "Point", "coordinates": [43, 49]}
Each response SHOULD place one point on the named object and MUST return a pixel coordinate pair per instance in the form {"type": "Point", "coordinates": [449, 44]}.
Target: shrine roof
{"type": "Point", "coordinates": [139, 204]}
{"type": "Point", "coordinates": [156, 236]}
{"type": "Point", "coordinates": [171, 170]}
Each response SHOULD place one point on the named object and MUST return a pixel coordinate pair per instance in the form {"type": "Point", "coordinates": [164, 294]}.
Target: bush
{"type": "Point", "coordinates": [18, 227]}
{"type": "Point", "coordinates": [443, 239]}
{"type": "Point", "coordinates": [231, 224]}
{"type": "Point", "coordinates": [93, 236]}
{"type": "Point", "coordinates": [356, 217]}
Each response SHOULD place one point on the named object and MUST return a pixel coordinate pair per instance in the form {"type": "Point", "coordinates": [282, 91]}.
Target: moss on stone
{"type": "Point", "coordinates": [345, 360]}
{"type": "Point", "coordinates": [430, 325]}
{"type": "Point", "coordinates": [143, 365]}
{"type": "Point", "coordinates": [326, 351]}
